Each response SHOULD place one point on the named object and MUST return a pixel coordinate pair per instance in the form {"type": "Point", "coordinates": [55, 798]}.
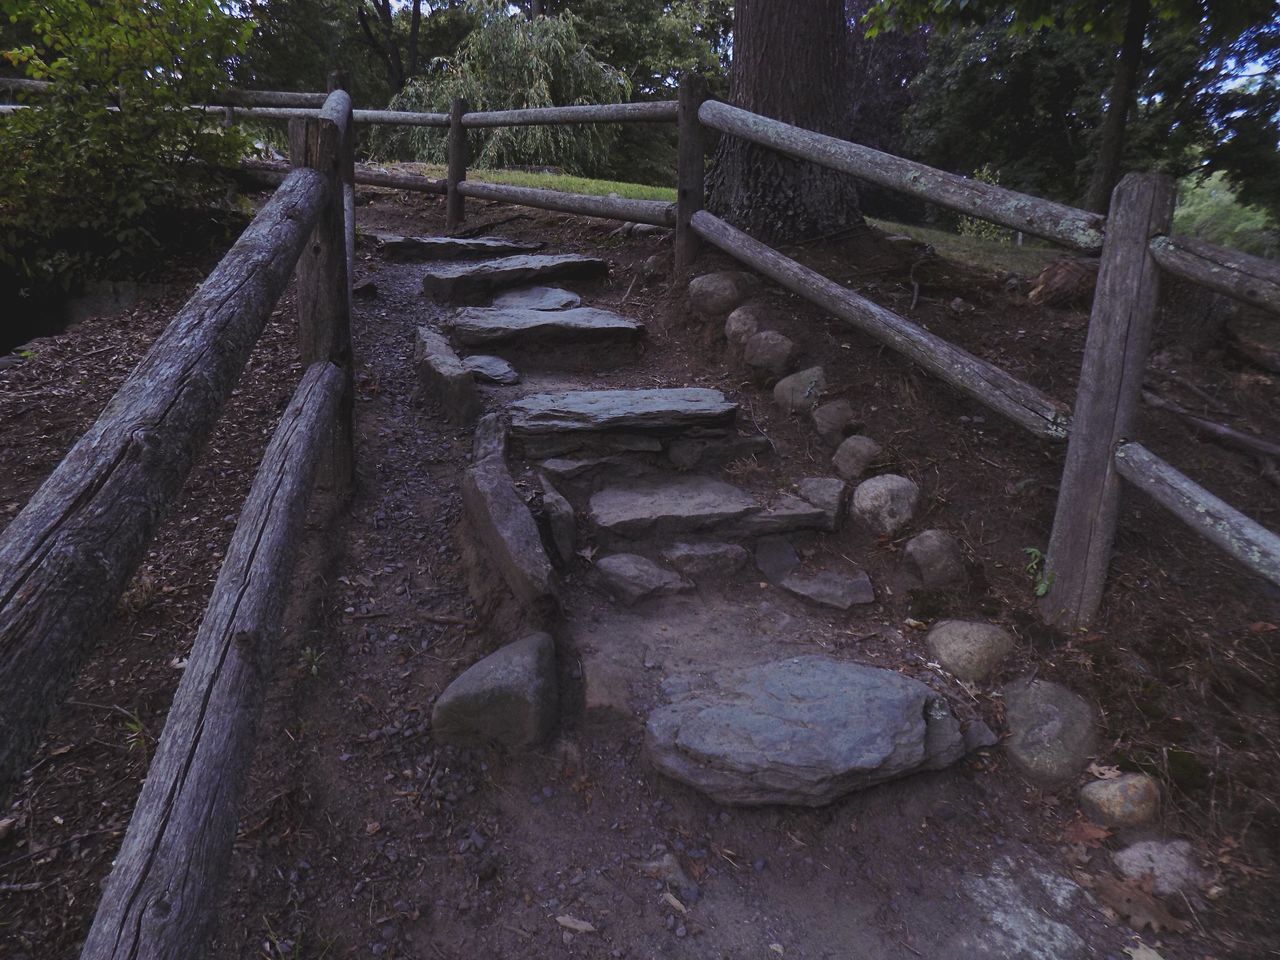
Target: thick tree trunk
{"type": "Point", "coordinates": [789, 63]}
{"type": "Point", "coordinates": [1124, 90]}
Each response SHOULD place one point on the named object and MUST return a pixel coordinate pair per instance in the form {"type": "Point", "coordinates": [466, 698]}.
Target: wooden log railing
{"type": "Point", "coordinates": [67, 556]}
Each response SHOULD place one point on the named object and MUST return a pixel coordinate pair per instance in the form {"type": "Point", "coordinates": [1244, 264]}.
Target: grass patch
{"type": "Point", "coordinates": [980, 253]}
{"type": "Point", "coordinates": [557, 181]}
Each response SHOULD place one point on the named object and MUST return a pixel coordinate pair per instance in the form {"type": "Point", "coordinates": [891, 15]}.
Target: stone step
{"type": "Point", "coordinates": [538, 298]}
{"type": "Point", "coordinates": [481, 326]}
{"type": "Point", "coordinates": [475, 282]}
{"type": "Point", "coordinates": [804, 731]}
{"type": "Point", "coordinates": [593, 411]}
{"type": "Point", "coordinates": [677, 506]}
{"type": "Point", "coordinates": [449, 248]}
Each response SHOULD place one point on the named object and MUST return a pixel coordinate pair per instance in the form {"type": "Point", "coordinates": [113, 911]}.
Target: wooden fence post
{"type": "Point", "coordinates": [455, 209]}
{"type": "Point", "coordinates": [324, 280]}
{"type": "Point", "coordinates": [690, 168]}
{"type": "Point", "coordinates": [1115, 354]}
{"type": "Point", "coordinates": [338, 81]}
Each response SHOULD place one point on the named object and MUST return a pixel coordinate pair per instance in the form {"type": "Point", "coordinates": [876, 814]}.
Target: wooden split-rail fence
{"type": "Point", "coordinates": [67, 557]}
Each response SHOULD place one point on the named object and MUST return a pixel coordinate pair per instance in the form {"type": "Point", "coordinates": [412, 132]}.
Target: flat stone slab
{"type": "Point", "coordinates": [491, 369]}
{"type": "Point", "coordinates": [596, 410]}
{"type": "Point", "coordinates": [508, 533]}
{"type": "Point", "coordinates": [449, 248]}
{"type": "Point", "coordinates": [831, 588]}
{"type": "Point", "coordinates": [443, 374]}
{"type": "Point", "coordinates": [631, 578]}
{"type": "Point", "coordinates": [538, 298]}
{"type": "Point", "coordinates": [462, 282]}
{"type": "Point", "coordinates": [672, 507]}
{"type": "Point", "coordinates": [476, 326]}
{"type": "Point", "coordinates": [803, 731]}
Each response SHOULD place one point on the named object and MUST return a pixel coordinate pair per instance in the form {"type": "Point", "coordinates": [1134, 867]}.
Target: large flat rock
{"type": "Point", "coordinates": [449, 248]}
{"type": "Point", "coordinates": [470, 282]}
{"type": "Point", "coordinates": [506, 530]}
{"type": "Point", "coordinates": [597, 410]}
{"type": "Point", "coordinates": [674, 506]}
{"type": "Point", "coordinates": [442, 374]}
{"type": "Point", "coordinates": [668, 508]}
{"type": "Point", "coordinates": [538, 298]}
{"type": "Point", "coordinates": [803, 731]}
{"type": "Point", "coordinates": [484, 325]}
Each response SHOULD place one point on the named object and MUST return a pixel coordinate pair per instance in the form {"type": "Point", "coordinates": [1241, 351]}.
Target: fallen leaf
{"type": "Point", "coordinates": [6, 826]}
{"type": "Point", "coordinates": [1140, 951]}
{"type": "Point", "coordinates": [1138, 906]}
{"type": "Point", "coordinates": [574, 924]}
{"type": "Point", "coordinates": [915, 624]}
{"type": "Point", "coordinates": [674, 903]}
{"type": "Point", "coordinates": [372, 827]}
{"type": "Point", "coordinates": [1085, 832]}
{"type": "Point", "coordinates": [1263, 627]}
{"type": "Point", "coordinates": [1104, 772]}
{"type": "Point", "coordinates": [776, 948]}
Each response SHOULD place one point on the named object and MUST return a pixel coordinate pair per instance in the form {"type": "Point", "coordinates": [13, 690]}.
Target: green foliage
{"type": "Point", "coordinates": [1040, 583]}
{"type": "Point", "coordinates": [82, 170]}
{"type": "Point", "coordinates": [977, 227]}
{"type": "Point", "coordinates": [1209, 209]}
{"type": "Point", "coordinates": [507, 63]}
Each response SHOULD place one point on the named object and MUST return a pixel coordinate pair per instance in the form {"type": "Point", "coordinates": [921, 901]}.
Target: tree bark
{"type": "Point", "coordinates": [789, 63]}
{"type": "Point", "coordinates": [1124, 91]}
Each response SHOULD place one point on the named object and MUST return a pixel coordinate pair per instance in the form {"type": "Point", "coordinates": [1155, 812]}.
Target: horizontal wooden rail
{"type": "Point", "coordinates": [1074, 228]}
{"type": "Point", "coordinates": [1245, 539]}
{"type": "Point", "coordinates": [231, 97]}
{"type": "Point", "coordinates": [1002, 392]}
{"type": "Point", "coordinates": [656, 212]}
{"type": "Point", "coordinates": [67, 556]}
{"type": "Point", "coordinates": [272, 173]}
{"type": "Point", "coordinates": [164, 889]}
{"type": "Point", "coordinates": [1253, 280]}
{"type": "Point", "coordinates": [408, 118]}
{"type": "Point", "coordinates": [657, 111]}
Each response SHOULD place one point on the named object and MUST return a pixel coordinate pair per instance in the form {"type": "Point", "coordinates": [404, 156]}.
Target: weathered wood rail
{"type": "Point", "coordinates": [68, 555]}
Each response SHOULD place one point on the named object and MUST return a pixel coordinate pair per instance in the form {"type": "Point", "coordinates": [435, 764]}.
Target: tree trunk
{"type": "Point", "coordinates": [789, 63]}
{"type": "Point", "coordinates": [1124, 91]}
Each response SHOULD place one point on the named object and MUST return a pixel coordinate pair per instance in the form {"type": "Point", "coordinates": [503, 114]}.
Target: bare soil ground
{"type": "Point", "coordinates": [361, 837]}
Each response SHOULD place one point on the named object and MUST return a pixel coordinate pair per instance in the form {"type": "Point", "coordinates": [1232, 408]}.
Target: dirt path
{"type": "Point", "coordinates": [373, 840]}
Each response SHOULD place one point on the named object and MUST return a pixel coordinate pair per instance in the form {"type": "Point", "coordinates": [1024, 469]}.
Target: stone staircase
{"type": "Point", "coordinates": [648, 564]}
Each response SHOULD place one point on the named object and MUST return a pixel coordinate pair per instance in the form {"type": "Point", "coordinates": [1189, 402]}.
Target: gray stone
{"type": "Point", "coordinates": [826, 493]}
{"type": "Point", "coordinates": [979, 736]}
{"type": "Point", "coordinates": [715, 294]}
{"type": "Point", "coordinates": [833, 420]}
{"type": "Point", "coordinates": [631, 578]}
{"type": "Point", "coordinates": [596, 410]}
{"type": "Point", "coordinates": [538, 298]}
{"type": "Point", "coordinates": [1129, 800]}
{"type": "Point", "coordinates": [786, 514]}
{"type": "Point", "coordinates": [663, 509]}
{"type": "Point", "coordinates": [490, 438]}
{"type": "Point", "coordinates": [1170, 863]}
{"type": "Point", "coordinates": [444, 376]}
{"type": "Point", "coordinates": [934, 557]}
{"type": "Point", "coordinates": [560, 521]}
{"type": "Point", "coordinates": [886, 503]}
{"type": "Point", "coordinates": [1052, 731]}
{"type": "Point", "coordinates": [572, 470]}
{"type": "Point", "coordinates": [480, 326]}
{"type": "Point", "coordinates": [655, 267]}
{"type": "Point", "coordinates": [706, 561]}
{"type": "Point", "coordinates": [853, 456]}
{"type": "Point", "coordinates": [803, 731]}
{"type": "Point", "coordinates": [508, 698]}
{"type": "Point", "coordinates": [776, 558]}
{"type": "Point", "coordinates": [970, 651]}
{"type": "Point", "coordinates": [449, 248]}
{"type": "Point", "coordinates": [741, 325]}
{"type": "Point", "coordinates": [491, 369]}
{"type": "Point", "coordinates": [799, 392]}
{"type": "Point", "coordinates": [770, 352]}
{"type": "Point", "coordinates": [832, 588]}
{"type": "Point", "coordinates": [506, 530]}
{"type": "Point", "coordinates": [465, 282]}
{"type": "Point", "coordinates": [689, 452]}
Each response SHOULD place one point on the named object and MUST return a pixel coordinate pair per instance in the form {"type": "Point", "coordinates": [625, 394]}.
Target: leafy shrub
{"type": "Point", "coordinates": [1209, 209]}
{"type": "Point", "coordinates": [509, 62]}
{"type": "Point", "coordinates": [84, 169]}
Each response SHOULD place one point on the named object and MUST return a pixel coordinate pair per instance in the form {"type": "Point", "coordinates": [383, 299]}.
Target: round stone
{"type": "Point", "coordinates": [1052, 731]}
{"type": "Point", "coordinates": [970, 651]}
{"type": "Point", "coordinates": [853, 456]}
{"type": "Point", "coordinates": [886, 503]}
{"type": "Point", "coordinates": [1128, 800]}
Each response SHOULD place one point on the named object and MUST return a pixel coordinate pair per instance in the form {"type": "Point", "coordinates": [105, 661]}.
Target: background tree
{"type": "Point", "coordinates": [1132, 29]}
{"type": "Point", "coordinates": [790, 62]}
